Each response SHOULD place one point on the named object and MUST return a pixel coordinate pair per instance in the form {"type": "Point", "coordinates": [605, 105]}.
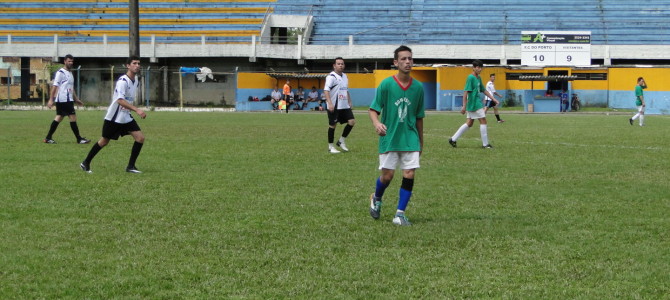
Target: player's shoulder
{"type": "Point", "coordinates": [417, 82]}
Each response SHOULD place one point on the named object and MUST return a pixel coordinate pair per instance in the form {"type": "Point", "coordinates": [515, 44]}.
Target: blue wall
{"type": "Point", "coordinates": [656, 102]}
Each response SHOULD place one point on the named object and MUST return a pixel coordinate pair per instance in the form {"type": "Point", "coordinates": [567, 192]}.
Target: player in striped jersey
{"type": "Point", "coordinates": [63, 95]}
{"type": "Point", "coordinates": [118, 120]}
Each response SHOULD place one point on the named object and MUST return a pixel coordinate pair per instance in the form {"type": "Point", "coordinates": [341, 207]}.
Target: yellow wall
{"type": "Point", "coordinates": [625, 79]}
{"type": "Point", "coordinates": [453, 78]}
{"type": "Point", "coordinates": [255, 81]}
{"type": "Point", "coordinates": [361, 81]}
{"type": "Point", "coordinates": [261, 81]}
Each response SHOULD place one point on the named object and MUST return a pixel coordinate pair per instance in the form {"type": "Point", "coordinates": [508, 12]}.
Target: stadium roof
{"type": "Point", "coordinates": [548, 78]}
{"type": "Point", "coordinates": [297, 75]}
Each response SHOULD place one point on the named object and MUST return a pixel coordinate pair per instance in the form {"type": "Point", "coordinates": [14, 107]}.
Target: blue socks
{"type": "Point", "coordinates": [405, 193]}
{"type": "Point", "coordinates": [379, 190]}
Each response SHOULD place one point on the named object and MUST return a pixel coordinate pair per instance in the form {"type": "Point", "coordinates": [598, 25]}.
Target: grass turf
{"type": "Point", "coordinates": [251, 205]}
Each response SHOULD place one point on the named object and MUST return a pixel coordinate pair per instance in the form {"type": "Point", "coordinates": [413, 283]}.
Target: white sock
{"type": "Point", "coordinates": [460, 132]}
{"type": "Point", "coordinates": [641, 120]}
{"type": "Point", "coordinates": [341, 140]}
{"type": "Point", "coordinates": [484, 133]}
{"type": "Point", "coordinates": [635, 116]}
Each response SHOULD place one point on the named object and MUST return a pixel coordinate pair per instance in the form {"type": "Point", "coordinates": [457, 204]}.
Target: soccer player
{"type": "Point", "coordinates": [490, 86]}
{"type": "Point", "coordinates": [639, 101]}
{"type": "Point", "coordinates": [338, 102]}
{"type": "Point", "coordinates": [399, 101]}
{"type": "Point", "coordinates": [62, 93]}
{"type": "Point", "coordinates": [472, 103]}
{"type": "Point", "coordinates": [287, 94]}
{"type": "Point", "coordinates": [118, 121]}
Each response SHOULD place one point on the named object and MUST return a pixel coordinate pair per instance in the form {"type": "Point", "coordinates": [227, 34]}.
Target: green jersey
{"type": "Point", "coordinates": [399, 107]}
{"type": "Point", "coordinates": [638, 93]}
{"type": "Point", "coordinates": [474, 85]}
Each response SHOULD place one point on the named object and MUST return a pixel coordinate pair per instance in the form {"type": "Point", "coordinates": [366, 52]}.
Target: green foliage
{"type": "Point", "coordinates": [251, 205]}
{"type": "Point", "coordinates": [510, 99]}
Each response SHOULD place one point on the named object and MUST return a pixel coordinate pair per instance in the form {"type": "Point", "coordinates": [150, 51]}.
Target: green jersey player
{"type": "Point", "coordinates": [399, 102]}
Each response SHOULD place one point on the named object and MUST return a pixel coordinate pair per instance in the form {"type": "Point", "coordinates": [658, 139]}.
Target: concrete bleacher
{"type": "Point", "coordinates": [231, 21]}
{"type": "Point", "coordinates": [473, 22]}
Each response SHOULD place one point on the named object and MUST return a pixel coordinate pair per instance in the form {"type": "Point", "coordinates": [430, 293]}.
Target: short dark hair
{"type": "Point", "coordinates": [401, 49]}
{"type": "Point", "coordinates": [492, 74]}
{"type": "Point", "coordinates": [336, 58]}
{"type": "Point", "coordinates": [477, 63]}
{"type": "Point", "coordinates": [131, 58]}
{"type": "Point", "coordinates": [68, 56]}
{"type": "Point", "coordinates": [639, 78]}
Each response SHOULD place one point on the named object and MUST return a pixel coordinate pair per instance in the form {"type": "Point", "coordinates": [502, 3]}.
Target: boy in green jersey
{"type": "Point", "coordinates": [399, 102]}
{"type": "Point", "coordinates": [472, 103]}
{"type": "Point", "coordinates": [639, 101]}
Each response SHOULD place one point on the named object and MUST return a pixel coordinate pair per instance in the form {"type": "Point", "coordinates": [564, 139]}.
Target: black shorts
{"type": "Point", "coordinates": [65, 108]}
{"type": "Point", "coordinates": [490, 103]}
{"type": "Point", "coordinates": [112, 130]}
{"type": "Point", "coordinates": [340, 115]}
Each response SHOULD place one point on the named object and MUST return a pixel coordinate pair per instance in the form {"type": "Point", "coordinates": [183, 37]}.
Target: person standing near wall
{"type": "Point", "coordinates": [400, 103]}
{"type": "Point", "coordinates": [639, 101]}
{"type": "Point", "coordinates": [118, 120]}
{"type": "Point", "coordinates": [472, 103]}
{"type": "Point", "coordinates": [63, 94]}
{"type": "Point", "coordinates": [339, 105]}
{"type": "Point", "coordinates": [490, 86]}
{"type": "Point", "coordinates": [287, 94]}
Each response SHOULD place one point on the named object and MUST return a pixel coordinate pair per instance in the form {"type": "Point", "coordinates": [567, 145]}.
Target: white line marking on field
{"type": "Point", "coordinates": [560, 144]}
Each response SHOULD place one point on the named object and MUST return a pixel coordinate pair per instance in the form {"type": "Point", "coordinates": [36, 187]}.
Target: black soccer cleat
{"type": "Point", "coordinates": [630, 121]}
{"type": "Point", "coordinates": [487, 146]}
{"type": "Point", "coordinates": [86, 167]}
{"type": "Point", "coordinates": [83, 140]}
{"type": "Point", "coordinates": [452, 143]}
{"type": "Point", "coordinates": [50, 141]}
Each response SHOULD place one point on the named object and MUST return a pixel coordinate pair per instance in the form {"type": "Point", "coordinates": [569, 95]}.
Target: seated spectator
{"type": "Point", "coordinates": [291, 101]}
{"type": "Point", "coordinates": [299, 98]}
{"type": "Point", "coordinates": [313, 95]}
{"type": "Point", "coordinates": [276, 97]}
{"type": "Point", "coordinates": [549, 93]}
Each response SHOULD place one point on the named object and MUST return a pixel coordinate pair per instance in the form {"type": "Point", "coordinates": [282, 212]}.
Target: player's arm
{"type": "Point", "coordinates": [488, 94]}
{"type": "Point", "coordinates": [76, 99]}
{"type": "Point", "coordinates": [329, 103]}
{"type": "Point", "coordinates": [380, 128]}
{"type": "Point", "coordinates": [129, 106]}
{"type": "Point", "coordinates": [642, 100]}
{"type": "Point", "coordinates": [465, 101]}
{"type": "Point", "coordinates": [349, 98]}
{"type": "Point", "coordinates": [419, 128]}
{"type": "Point", "coordinates": [52, 96]}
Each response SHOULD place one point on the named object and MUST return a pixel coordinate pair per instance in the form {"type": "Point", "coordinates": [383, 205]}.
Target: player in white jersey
{"type": "Point", "coordinates": [118, 120]}
{"type": "Point", "coordinates": [338, 101]}
{"type": "Point", "coordinates": [491, 88]}
{"type": "Point", "coordinates": [62, 93]}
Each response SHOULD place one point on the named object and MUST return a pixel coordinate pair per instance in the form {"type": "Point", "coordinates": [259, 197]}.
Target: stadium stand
{"type": "Point", "coordinates": [171, 21]}
{"type": "Point", "coordinates": [458, 22]}
{"type": "Point", "coordinates": [482, 22]}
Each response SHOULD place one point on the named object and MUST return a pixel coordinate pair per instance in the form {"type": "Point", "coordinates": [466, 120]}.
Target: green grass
{"type": "Point", "coordinates": [250, 205]}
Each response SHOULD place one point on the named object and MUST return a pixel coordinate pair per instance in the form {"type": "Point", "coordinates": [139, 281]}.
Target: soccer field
{"type": "Point", "coordinates": [251, 206]}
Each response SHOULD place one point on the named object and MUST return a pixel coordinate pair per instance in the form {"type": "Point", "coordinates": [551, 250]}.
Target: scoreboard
{"type": "Point", "coordinates": [556, 48]}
